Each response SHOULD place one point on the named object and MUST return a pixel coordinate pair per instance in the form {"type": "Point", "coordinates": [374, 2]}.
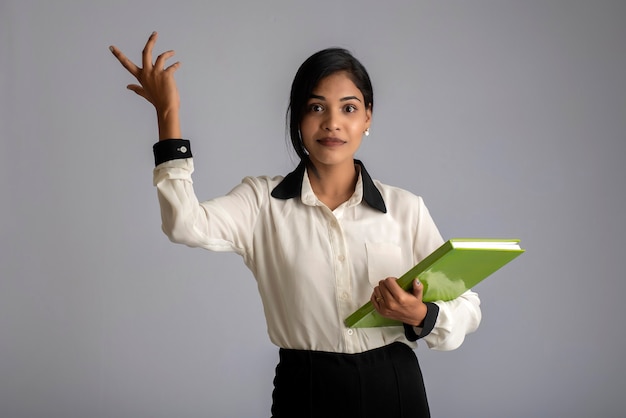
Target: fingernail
{"type": "Point", "coordinates": [111, 48]}
{"type": "Point", "coordinates": [417, 282]}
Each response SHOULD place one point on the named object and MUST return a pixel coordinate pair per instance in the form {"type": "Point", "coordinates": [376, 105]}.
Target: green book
{"type": "Point", "coordinates": [455, 267]}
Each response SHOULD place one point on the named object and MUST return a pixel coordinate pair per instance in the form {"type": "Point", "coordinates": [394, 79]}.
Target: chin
{"type": "Point", "coordinates": [330, 160]}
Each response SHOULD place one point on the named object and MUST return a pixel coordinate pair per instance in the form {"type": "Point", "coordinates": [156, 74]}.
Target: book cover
{"type": "Point", "coordinates": [455, 267]}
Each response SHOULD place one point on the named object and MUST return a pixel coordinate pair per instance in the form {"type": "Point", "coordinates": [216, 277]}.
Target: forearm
{"type": "Point", "coordinates": [224, 223]}
{"type": "Point", "coordinates": [181, 215]}
{"type": "Point", "coordinates": [455, 320]}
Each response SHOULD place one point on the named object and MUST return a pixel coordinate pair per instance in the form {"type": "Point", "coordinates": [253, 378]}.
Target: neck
{"type": "Point", "coordinates": [334, 184]}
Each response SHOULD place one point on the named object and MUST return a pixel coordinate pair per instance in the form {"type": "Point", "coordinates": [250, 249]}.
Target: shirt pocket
{"type": "Point", "coordinates": [383, 260]}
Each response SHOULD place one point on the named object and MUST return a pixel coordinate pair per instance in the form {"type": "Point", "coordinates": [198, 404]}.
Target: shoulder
{"type": "Point", "coordinates": [252, 193]}
{"type": "Point", "coordinates": [264, 182]}
{"type": "Point", "coordinates": [409, 210]}
{"type": "Point", "coordinates": [258, 185]}
{"type": "Point", "coordinates": [397, 197]}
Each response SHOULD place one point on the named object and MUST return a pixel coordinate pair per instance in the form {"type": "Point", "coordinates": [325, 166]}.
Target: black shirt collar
{"type": "Point", "coordinates": [291, 186]}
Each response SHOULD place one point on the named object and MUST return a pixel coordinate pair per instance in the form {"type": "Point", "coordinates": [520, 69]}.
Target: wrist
{"type": "Point", "coordinates": [420, 315]}
{"type": "Point", "coordinates": [169, 125]}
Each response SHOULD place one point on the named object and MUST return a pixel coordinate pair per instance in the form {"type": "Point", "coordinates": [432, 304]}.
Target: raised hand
{"type": "Point", "coordinates": [157, 85]}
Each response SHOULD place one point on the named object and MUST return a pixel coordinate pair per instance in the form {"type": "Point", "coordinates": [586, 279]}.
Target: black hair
{"type": "Point", "coordinates": [318, 66]}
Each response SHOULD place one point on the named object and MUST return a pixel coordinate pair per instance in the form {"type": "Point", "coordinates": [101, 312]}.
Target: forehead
{"type": "Point", "coordinates": [337, 85]}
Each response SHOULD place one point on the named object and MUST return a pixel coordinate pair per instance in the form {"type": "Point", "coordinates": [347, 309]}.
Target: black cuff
{"type": "Point", "coordinates": [432, 312]}
{"type": "Point", "coordinates": [171, 149]}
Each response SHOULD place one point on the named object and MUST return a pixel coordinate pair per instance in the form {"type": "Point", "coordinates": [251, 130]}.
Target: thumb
{"type": "Point", "coordinates": [138, 89]}
{"type": "Point", "coordinates": [417, 288]}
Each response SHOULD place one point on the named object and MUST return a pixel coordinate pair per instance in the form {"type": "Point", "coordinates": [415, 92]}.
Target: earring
{"type": "Point", "coordinates": [367, 132]}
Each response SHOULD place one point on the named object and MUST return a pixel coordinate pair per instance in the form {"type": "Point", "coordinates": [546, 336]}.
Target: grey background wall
{"type": "Point", "coordinates": [508, 117]}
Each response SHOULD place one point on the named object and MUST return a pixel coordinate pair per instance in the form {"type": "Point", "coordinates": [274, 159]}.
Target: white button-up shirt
{"type": "Point", "coordinates": [315, 266]}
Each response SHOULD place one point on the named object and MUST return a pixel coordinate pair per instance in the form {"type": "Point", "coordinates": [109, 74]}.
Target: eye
{"type": "Point", "coordinates": [350, 108]}
{"type": "Point", "coordinates": [316, 108]}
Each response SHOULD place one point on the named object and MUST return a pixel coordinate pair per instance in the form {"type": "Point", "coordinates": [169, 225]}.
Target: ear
{"type": "Point", "coordinates": [368, 116]}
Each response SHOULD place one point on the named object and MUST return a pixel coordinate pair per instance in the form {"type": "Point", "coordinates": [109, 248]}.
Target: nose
{"type": "Point", "coordinates": [331, 121]}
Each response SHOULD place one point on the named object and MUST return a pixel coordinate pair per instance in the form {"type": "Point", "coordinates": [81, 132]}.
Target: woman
{"type": "Point", "coordinates": [320, 242]}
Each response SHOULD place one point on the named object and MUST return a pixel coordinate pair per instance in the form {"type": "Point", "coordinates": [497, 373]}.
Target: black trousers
{"type": "Point", "coordinates": [382, 383]}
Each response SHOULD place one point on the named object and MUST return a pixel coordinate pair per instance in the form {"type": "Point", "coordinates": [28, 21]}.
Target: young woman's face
{"type": "Point", "coordinates": [335, 121]}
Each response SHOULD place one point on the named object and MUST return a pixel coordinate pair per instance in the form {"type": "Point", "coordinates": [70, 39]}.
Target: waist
{"type": "Point", "coordinates": [329, 359]}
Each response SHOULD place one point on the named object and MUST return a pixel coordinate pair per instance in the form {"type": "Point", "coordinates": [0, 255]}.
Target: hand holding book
{"type": "Point", "coordinates": [392, 301]}
{"type": "Point", "coordinates": [455, 267]}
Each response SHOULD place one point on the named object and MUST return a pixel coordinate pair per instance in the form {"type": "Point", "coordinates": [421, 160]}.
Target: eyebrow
{"type": "Point", "coordinates": [343, 99]}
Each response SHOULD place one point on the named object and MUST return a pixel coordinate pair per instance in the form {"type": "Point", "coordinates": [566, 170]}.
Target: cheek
{"type": "Point", "coordinates": [358, 126]}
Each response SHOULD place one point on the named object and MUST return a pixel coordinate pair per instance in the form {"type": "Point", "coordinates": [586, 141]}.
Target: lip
{"type": "Point", "coordinates": [330, 142]}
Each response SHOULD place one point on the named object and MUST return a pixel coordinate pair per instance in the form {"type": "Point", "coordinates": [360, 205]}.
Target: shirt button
{"type": "Point", "coordinates": [183, 149]}
{"type": "Point", "coordinates": [333, 224]}
{"type": "Point", "coordinates": [345, 296]}
{"type": "Point", "coordinates": [341, 257]}
{"type": "Point", "coordinates": [350, 331]}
